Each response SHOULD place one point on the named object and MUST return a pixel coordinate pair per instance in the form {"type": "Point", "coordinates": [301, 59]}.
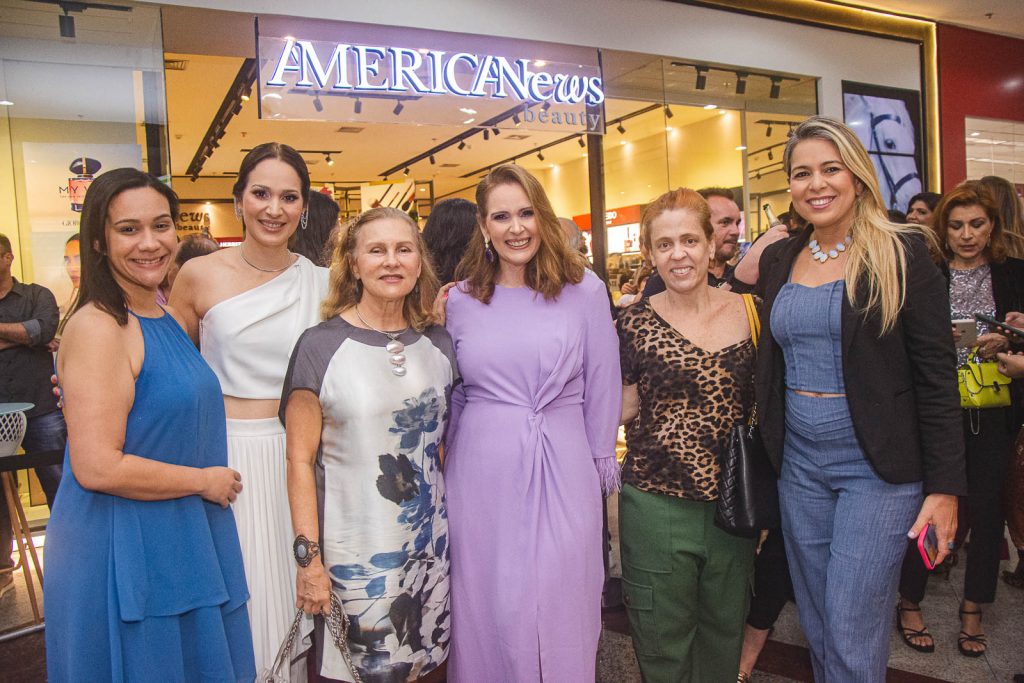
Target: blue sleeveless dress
{"type": "Point", "coordinates": [151, 590]}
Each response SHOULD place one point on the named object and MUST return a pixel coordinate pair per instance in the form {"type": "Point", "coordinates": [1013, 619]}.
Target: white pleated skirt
{"type": "Point", "coordinates": [256, 449]}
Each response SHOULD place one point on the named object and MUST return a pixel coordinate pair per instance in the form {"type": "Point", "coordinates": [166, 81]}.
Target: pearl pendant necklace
{"type": "Point", "coordinates": [395, 348]}
{"type": "Point", "coordinates": [820, 255]}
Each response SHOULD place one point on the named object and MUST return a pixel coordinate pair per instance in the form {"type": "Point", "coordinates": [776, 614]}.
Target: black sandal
{"type": "Point", "coordinates": [967, 638]}
{"type": "Point", "coordinates": [908, 633]}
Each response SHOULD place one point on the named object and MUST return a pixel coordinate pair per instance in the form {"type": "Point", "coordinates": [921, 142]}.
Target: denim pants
{"type": "Point", "coordinates": [846, 532]}
{"type": "Point", "coordinates": [43, 433]}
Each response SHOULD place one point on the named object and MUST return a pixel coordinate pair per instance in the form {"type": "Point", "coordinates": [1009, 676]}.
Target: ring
{"type": "Point", "coordinates": [951, 546]}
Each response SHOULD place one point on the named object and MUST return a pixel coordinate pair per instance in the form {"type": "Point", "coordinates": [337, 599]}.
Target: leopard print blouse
{"type": "Point", "coordinates": [689, 401]}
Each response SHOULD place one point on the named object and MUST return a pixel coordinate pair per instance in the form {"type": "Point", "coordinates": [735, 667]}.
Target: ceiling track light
{"type": "Point", "coordinates": [432, 160]}
{"type": "Point", "coordinates": [487, 134]}
{"type": "Point", "coordinates": [66, 23]}
{"type": "Point", "coordinates": [776, 88]}
{"type": "Point", "coordinates": [540, 156]}
{"type": "Point", "coordinates": [771, 157]}
{"type": "Point", "coordinates": [330, 161]}
{"type": "Point", "coordinates": [406, 171]}
{"type": "Point", "coordinates": [496, 130]}
{"type": "Point", "coordinates": [702, 78]}
{"type": "Point", "coordinates": [741, 82]}
{"type": "Point", "coordinates": [668, 112]}
{"type": "Point", "coordinates": [546, 105]}
{"type": "Point", "coordinates": [515, 119]}
{"type": "Point", "coordinates": [317, 104]}
{"type": "Point", "coordinates": [358, 106]}
{"type": "Point", "coordinates": [621, 128]}
{"type": "Point", "coordinates": [462, 144]}
{"type": "Point", "coordinates": [398, 108]}
{"type": "Point", "coordinates": [581, 142]}
{"type": "Point", "coordinates": [768, 133]}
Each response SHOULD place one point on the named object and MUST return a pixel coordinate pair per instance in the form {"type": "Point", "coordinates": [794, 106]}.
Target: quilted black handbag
{"type": "Point", "coordinates": [748, 495]}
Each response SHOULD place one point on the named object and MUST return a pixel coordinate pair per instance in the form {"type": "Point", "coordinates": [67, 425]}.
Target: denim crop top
{"type": "Point", "coordinates": [807, 325]}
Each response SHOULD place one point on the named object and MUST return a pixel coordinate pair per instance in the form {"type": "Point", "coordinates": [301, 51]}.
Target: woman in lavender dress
{"type": "Point", "coordinates": [531, 444]}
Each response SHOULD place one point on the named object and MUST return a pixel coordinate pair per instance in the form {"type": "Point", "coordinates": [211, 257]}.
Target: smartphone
{"type": "Point", "coordinates": [968, 332]}
{"type": "Point", "coordinates": [1000, 326]}
{"type": "Point", "coordinates": [928, 546]}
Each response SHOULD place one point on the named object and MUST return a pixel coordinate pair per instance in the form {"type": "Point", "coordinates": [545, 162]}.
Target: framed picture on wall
{"type": "Point", "coordinates": [889, 123]}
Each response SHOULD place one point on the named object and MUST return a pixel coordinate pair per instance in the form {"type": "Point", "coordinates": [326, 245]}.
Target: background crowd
{"type": "Point", "coordinates": [311, 414]}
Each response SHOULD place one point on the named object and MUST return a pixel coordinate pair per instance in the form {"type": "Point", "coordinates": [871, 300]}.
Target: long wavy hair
{"type": "Point", "coordinates": [878, 253]}
{"type": "Point", "coordinates": [449, 229]}
{"type": "Point", "coordinates": [551, 268]}
{"type": "Point", "coordinates": [1010, 214]}
{"type": "Point", "coordinates": [971, 193]}
{"type": "Point", "coordinates": [345, 289]}
{"type": "Point", "coordinates": [97, 284]}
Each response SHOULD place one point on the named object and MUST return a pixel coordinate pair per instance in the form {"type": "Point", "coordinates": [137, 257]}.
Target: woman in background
{"type": "Point", "coordinates": [531, 444]}
{"type": "Point", "coordinates": [449, 228]}
{"type": "Point", "coordinates": [921, 206]}
{"type": "Point", "coordinates": [312, 241]}
{"type": "Point", "coordinates": [143, 568]}
{"type": "Point", "coordinates": [246, 307]}
{"type": "Point", "coordinates": [868, 452]}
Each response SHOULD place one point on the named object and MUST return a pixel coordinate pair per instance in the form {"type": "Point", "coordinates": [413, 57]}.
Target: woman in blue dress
{"type": "Point", "coordinates": [144, 571]}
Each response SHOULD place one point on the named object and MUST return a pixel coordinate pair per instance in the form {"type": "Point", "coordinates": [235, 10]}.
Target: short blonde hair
{"type": "Point", "coordinates": [345, 289]}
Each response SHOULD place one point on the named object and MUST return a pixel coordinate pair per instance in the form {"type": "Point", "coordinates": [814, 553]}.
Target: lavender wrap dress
{"type": "Point", "coordinates": [531, 444]}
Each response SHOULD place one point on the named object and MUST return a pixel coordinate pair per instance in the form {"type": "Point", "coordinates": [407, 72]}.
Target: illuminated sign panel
{"type": "Point", "coordinates": [451, 84]}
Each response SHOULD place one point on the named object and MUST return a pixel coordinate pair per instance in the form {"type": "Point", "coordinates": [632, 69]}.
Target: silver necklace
{"type": "Point", "coordinates": [395, 348]}
{"type": "Point", "coordinates": [819, 255]}
{"type": "Point", "coordinates": [241, 251]}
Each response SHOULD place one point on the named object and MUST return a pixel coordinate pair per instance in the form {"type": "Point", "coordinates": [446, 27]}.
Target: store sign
{"type": "Point", "coordinates": [370, 69]}
{"type": "Point", "coordinates": [448, 83]}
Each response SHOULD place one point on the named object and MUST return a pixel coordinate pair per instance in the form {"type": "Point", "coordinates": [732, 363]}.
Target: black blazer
{"type": "Point", "coordinates": [901, 387]}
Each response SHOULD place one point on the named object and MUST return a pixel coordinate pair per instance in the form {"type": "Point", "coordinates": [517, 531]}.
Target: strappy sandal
{"type": "Point", "coordinates": [909, 633]}
{"type": "Point", "coordinates": [967, 638]}
{"type": "Point", "coordinates": [743, 677]}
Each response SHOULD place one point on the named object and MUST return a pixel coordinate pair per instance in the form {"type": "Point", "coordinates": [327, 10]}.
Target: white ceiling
{"type": "Point", "coordinates": [1007, 16]}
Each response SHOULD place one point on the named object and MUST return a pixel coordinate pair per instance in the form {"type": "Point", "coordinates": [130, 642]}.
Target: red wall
{"type": "Point", "coordinates": [980, 74]}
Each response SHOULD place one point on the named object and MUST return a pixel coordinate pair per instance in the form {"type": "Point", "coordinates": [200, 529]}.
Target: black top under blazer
{"type": "Point", "coordinates": [901, 387]}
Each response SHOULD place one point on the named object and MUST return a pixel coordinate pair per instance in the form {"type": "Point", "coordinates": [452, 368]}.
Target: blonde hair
{"type": "Point", "coordinates": [346, 290]}
{"type": "Point", "coordinates": [878, 253]}
{"type": "Point", "coordinates": [681, 198]}
{"type": "Point", "coordinates": [551, 268]}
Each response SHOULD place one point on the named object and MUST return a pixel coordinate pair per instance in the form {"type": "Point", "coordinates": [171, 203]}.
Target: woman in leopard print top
{"type": "Point", "coordinates": [687, 368]}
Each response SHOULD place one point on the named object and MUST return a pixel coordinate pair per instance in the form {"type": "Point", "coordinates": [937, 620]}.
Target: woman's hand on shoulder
{"type": "Point", "coordinates": [221, 485]}
{"type": "Point", "coordinates": [441, 303]}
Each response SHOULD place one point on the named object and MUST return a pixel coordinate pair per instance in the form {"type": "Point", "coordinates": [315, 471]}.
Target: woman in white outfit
{"type": "Point", "coordinates": [246, 307]}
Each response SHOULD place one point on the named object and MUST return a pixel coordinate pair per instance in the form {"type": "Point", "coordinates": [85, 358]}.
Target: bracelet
{"type": "Point", "coordinates": [305, 550]}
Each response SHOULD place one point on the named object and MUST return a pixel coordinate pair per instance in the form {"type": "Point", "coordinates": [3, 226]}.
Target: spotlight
{"type": "Point", "coordinates": [462, 144]}
{"type": "Point", "coordinates": [398, 108]}
{"type": "Point", "coordinates": [67, 25]}
{"type": "Point", "coordinates": [487, 134]}
{"type": "Point", "coordinates": [741, 82]}
{"type": "Point", "coordinates": [432, 160]}
{"type": "Point", "coordinates": [771, 157]}
{"type": "Point", "coordinates": [621, 128]}
{"type": "Point", "coordinates": [515, 119]}
{"type": "Point", "coordinates": [768, 133]}
{"type": "Point", "coordinates": [406, 171]}
{"type": "Point", "coordinates": [776, 88]}
{"type": "Point", "coordinates": [702, 78]}
{"type": "Point", "coordinates": [540, 156]}
{"type": "Point", "coordinates": [359, 106]}
{"type": "Point", "coordinates": [547, 105]}
{"type": "Point", "coordinates": [580, 141]}
{"type": "Point", "coordinates": [330, 161]}
{"type": "Point", "coordinates": [496, 130]}
{"type": "Point", "coordinates": [668, 112]}
{"type": "Point", "coordinates": [317, 104]}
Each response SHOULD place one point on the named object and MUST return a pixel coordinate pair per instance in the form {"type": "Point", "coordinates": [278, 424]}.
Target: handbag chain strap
{"type": "Point", "coordinates": [755, 331]}
{"type": "Point", "coordinates": [337, 625]}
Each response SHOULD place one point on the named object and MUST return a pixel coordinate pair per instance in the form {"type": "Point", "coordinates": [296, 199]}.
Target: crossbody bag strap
{"type": "Point", "coordinates": [752, 318]}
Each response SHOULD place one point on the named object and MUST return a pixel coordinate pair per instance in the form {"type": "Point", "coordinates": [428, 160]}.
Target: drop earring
{"type": "Point", "coordinates": [238, 212]}
{"type": "Point", "coordinates": [304, 219]}
{"type": "Point", "coordinates": [488, 252]}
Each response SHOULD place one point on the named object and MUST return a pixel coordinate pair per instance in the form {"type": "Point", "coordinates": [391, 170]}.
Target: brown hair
{"type": "Point", "coordinates": [681, 198]}
{"type": "Point", "coordinates": [345, 289]}
{"type": "Point", "coordinates": [1010, 214]}
{"type": "Point", "coordinates": [552, 267]}
{"type": "Point", "coordinates": [970, 193]}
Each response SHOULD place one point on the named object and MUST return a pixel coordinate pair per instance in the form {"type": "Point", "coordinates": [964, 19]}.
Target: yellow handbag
{"type": "Point", "coordinates": [981, 384]}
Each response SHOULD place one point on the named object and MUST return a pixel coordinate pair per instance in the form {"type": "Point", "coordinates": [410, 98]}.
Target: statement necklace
{"type": "Point", "coordinates": [819, 255]}
{"type": "Point", "coordinates": [241, 251]}
{"type": "Point", "coordinates": [394, 347]}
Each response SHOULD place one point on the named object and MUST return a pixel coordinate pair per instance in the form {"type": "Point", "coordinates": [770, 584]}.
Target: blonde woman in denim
{"type": "Point", "coordinates": [857, 397]}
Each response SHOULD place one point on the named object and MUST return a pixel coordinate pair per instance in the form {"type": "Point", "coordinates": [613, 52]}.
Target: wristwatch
{"type": "Point", "coordinates": [305, 550]}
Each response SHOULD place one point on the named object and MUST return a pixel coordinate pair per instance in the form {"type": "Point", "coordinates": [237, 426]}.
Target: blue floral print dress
{"type": "Point", "coordinates": [380, 493]}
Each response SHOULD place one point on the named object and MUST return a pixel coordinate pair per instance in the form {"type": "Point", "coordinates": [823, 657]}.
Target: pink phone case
{"type": "Point", "coordinates": [921, 538]}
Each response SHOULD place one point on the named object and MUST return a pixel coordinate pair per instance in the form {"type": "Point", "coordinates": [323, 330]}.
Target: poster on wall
{"type": "Point", "coordinates": [56, 179]}
{"type": "Point", "coordinates": [888, 123]}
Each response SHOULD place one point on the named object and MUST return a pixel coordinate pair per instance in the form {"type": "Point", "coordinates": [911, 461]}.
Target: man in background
{"type": "Point", "coordinates": [28, 321]}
